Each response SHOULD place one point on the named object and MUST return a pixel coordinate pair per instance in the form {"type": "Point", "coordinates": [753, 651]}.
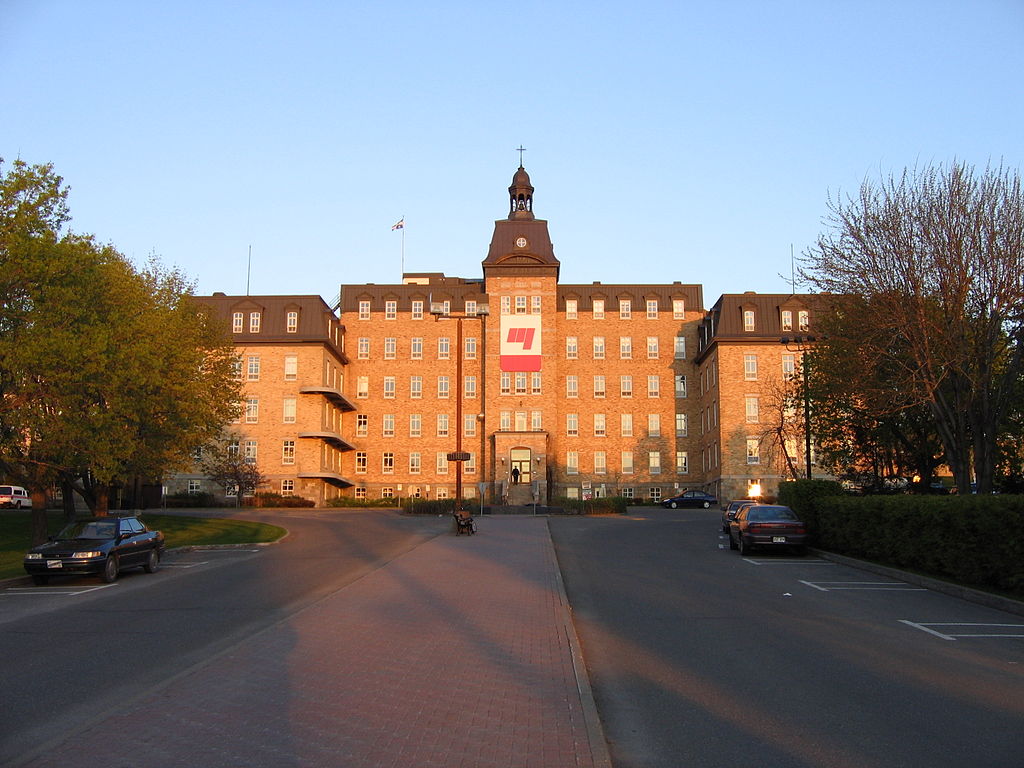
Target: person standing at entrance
{"type": "Point", "coordinates": [515, 475]}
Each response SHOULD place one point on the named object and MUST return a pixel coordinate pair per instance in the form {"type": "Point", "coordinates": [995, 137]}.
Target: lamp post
{"type": "Point", "coordinates": [437, 309]}
{"type": "Point", "coordinates": [804, 345]}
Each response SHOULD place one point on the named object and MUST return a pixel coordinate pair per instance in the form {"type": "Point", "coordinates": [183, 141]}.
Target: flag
{"type": "Point", "coordinates": [400, 224]}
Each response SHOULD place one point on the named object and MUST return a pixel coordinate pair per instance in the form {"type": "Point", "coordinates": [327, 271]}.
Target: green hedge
{"type": "Point", "coordinates": [972, 540]}
{"type": "Point", "coordinates": [270, 499]}
{"type": "Point", "coordinates": [349, 501]}
{"type": "Point", "coordinates": [606, 505]}
{"type": "Point", "coordinates": [805, 497]}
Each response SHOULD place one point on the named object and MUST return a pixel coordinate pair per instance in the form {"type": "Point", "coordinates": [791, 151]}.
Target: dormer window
{"type": "Point", "coordinates": [390, 310]}
{"type": "Point", "coordinates": [748, 320]}
{"type": "Point", "coordinates": [292, 322]}
{"type": "Point", "coordinates": [254, 322]}
{"type": "Point", "coordinates": [598, 309]}
{"type": "Point", "coordinates": [804, 319]}
{"type": "Point", "coordinates": [787, 320]}
{"type": "Point", "coordinates": [238, 322]}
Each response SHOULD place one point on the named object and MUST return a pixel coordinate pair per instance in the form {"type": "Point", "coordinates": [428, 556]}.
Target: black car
{"type": "Point", "coordinates": [729, 512]}
{"type": "Point", "coordinates": [102, 545]}
{"type": "Point", "coordinates": [690, 499]}
{"type": "Point", "coordinates": [767, 525]}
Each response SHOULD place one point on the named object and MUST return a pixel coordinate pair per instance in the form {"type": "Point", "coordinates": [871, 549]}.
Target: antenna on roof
{"type": "Point", "coordinates": [792, 270]}
{"type": "Point", "coordinates": [248, 271]}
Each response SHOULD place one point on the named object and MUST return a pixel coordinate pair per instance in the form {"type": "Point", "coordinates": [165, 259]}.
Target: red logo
{"type": "Point", "coordinates": [522, 336]}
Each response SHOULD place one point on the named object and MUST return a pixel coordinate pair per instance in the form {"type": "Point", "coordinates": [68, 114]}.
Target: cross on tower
{"type": "Point", "coordinates": [520, 149]}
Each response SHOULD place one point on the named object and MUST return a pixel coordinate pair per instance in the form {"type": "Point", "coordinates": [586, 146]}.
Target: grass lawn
{"type": "Point", "coordinates": [178, 531]}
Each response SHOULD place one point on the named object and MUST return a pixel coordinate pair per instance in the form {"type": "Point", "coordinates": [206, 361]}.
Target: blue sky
{"type": "Point", "coordinates": [683, 141]}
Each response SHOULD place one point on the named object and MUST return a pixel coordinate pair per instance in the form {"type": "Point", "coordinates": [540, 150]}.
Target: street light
{"type": "Point", "coordinates": [804, 345]}
{"type": "Point", "coordinates": [437, 309]}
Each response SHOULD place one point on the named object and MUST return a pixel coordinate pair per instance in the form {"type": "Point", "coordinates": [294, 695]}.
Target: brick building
{"type": "Point", "coordinates": [512, 385]}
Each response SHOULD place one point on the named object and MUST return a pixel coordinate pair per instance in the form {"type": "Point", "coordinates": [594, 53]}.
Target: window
{"type": "Point", "coordinates": [626, 457]}
{"type": "Point", "coordinates": [236, 369]}
{"type": "Point", "coordinates": [627, 493]}
{"type": "Point", "coordinates": [626, 424]}
{"type": "Point", "coordinates": [469, 353]}
{"type": "Point", "coordinates": [233, 449]}
{"type": "Point", "coordinates": [253, 370]}
{"type": "Point", "coordinates": [600, 427]}
{"type": "Point", "coordinates": [748, 320]}
{"type": "Point", "coordinates": [362, 425]}
{"type": "Point", "coordinates": [254, 322]}
{"type": "Point", "coordinates": [682, 463]}
{"type": "Point", "coordinates": [252, 410]}
{"type": "Point", "coordinates": [654, 425]}
{"type": "Point", "coordinates": [571, 348]}
{"type": "Point", "coordinates": [680, 348]}
{"type": "Point", "coordinates": [572, 425]}
{"type": "Point", "coordinates": [506, 305]}
{"type": "Point", "coordinates": [237, 322]}
{"type": "Point", "coordinates": [387, 493]}
{"type": "Point", "coordinates": [506, 383]}
{"type": "Point", "coordinates": [442, 463]}
{"type": "Point", "coordinates": [678, 309]}
{"type": "Point", "coordinates": [625, 309]}
{"type": "Point", "coordinates": [787, 320]}
{"type": "Point", "coordinates": [388, 425]}
{"type": "Point", "coordinates": [387, 463]}
{"type": "Point", "coordinates": [520, 421]}
{"type": "Point", "coordinates": [390, 347]}
{"type": "Point", "coordinates": [415, 463]}
{"type": "Point", "coordinates": [682, 427]}
{"type": "Point", "coordinates": [599, 347]}
{"type": "Point", "coordinates": [535, 383]}
{"type": "Point", "coordinates": [536, 423]}
{"type": "Point", "coordinates": [250, 451]}
{"type": "Point", "coordinates": [470, 387]}
{"type": "Point", "coordinates": [291, 323]}
{"type": "Point", "coordinates": [469, 466]}
{"type": "Point", "coordinates": [572, 386]}
{"type": "Point", "coordinates": [571, 309]}
{"type": "Point", "coordinates": [364, 310]}
{"type": "Point", "coordinates": [652, 348]}
{"type": "Point", "coordinates": [625, 386]}
{"type": "Point", "coordinates": [535, 305]}
{"type": "Point", "coordinates": [520, 305]}
{"type": "Point", "coordinates": [572, 463]}
{"type": "Point", "coordinates": [652, 309]}
{"type": "Point", "coordinates": [363, 387]}
{"type": "Point", "coordinates": [415, 425]}
{"type": "Point", "coordinates": [389, 387]}
{"type": "Point", "coordinates": [788, 366]}
{"type": "Point", "coordinates": [390, 310]}
{"type": "Point", "coordinates": [195, 486]}
{"type": "Point", "coordinates": [599, 386]}
{"type": "Point", "coordinates": [442, 425]}
{"type": "Point", "coordinates": [288, 410]}
{"type": "Point", "coordinates": [654, 462]}
{"type": "Point", "coordinates": [804, 319]}
{"type": "Point", "coordinates": [470, 308]}
{"type": "Point", "coordinates": [654, 493]}
{"type": "Point", "coordinates": [416, 348]}
{"type": "Point", "coordinates": [363, 348]}
{"type": "Point", "coordinates": [680, 385]}
{"type": "Point", "coordinates": [360, 492]}
{"type": "Point", "coordinates": [753, 451]}
{"type": "Point", "coordinates": [288, 452]}
{"type": "Point", "coordinates": [521, 380]}
{"type": "Point", "coordinates": [626, 347]}
{"type": "Point", "coordinates": [469, 424]}
{"type": "Point", "coordinates": [443, 348]}
{"type": "Point", "coordinates": [360, 462]}
{"type": "Point", "coordinates": [752, 409]}
{"type": "Point", "coordinates": [415, 387]}
{"type": "Point", "coordinates": [442, 387]}
{"type": "Point", "coordinates": [600, 463]}
{"type": "Point", "coordinates": [417, 309]}
{"type": "Point", "coordinates": [505, 421]}
{"type": "Point", "coordinates": [750, 367]}
{"type": "Point", "coordinates": [598, 309]}
{"type": "Point", "coordinates": [654, 386]}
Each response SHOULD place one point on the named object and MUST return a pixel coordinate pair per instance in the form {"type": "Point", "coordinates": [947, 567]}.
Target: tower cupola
{"type": "Point", "coordinates": [520, 196]}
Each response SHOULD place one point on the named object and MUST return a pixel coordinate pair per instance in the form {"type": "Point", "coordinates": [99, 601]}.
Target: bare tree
{"type": "Point", "coordinates": [938, 257]}
{"type": "Point", "coordinates": [224, 464]}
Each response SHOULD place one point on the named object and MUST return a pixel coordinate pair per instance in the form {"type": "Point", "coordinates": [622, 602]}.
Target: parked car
{"type": "Point", "coordinates": [102, 545]}
{"type": "Point", "coordinates": [15, 496]}
{"type": "Point", "coordinates": [767, 525]}
{"type": "Point", "coordinates": [729, 512]}
{"type": "Point", "coordinates": [690, 499]}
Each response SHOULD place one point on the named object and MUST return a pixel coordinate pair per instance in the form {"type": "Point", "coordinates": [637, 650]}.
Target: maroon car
{"type": "Point", "coordinates": [767, 525]}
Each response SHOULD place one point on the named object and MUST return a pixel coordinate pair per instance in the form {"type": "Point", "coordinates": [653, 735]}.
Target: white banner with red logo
{"type": "Point", "coordinates": [520, 343]}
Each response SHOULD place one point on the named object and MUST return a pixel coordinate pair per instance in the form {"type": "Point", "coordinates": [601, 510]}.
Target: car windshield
{"type": "Point", "coordinates": [90, 529]}
{"type": "Point", "coordinates": [6, 490]}
{"type": "Point", "coordinates": [771, 513]}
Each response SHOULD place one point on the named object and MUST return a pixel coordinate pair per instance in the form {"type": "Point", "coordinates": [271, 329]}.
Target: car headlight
{"type": "Point", "coordinates": [89, 553]}
{"type": "Point", "coordinates": [33, 556]}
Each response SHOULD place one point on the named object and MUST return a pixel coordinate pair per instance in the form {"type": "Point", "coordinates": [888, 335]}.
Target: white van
{"type": "Point", "coordinates": [14, 496]}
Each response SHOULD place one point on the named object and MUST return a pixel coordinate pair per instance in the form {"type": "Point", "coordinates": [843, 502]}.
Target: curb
{"type": "Point", "coordinates": [987, 599]}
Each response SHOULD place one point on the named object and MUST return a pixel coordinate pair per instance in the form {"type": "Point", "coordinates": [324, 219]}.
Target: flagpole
{"type": "Point", "coordinates": [402, 276]}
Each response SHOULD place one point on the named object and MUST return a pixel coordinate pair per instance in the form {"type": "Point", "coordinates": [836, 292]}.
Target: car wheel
{"type": "Point", "coordinates": [110, 569]}
{"type": "Point", "coordinates": [732, 543]}
{"type": "Point", "coordinates": [673, 505]}
{"type": "Point", "coordinates": [40, 579]}
{"type": "Point", "coordinates": [743, 547]}
{"type": "Point", "coordinates": [707, 504]}
{"type": "Point", "coordinates": [152, 562]}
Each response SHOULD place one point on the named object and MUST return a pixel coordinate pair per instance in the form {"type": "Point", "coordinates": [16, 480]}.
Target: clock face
{"type": "Point", "coordinates": [520, 242]}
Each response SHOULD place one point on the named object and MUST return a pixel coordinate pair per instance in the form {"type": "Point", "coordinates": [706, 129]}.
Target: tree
{"type": "Point", "coordinates": [105, 372]}
{"type": "Point", "coordinates": [224, 464]}
{"type": "Point", "coordinates": [937, 256]}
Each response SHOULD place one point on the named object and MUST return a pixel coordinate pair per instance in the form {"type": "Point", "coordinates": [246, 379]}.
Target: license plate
{"type": "Point", "coordinates": [778, 539]}
{"type": "Point", "coordinates": [54, 564]}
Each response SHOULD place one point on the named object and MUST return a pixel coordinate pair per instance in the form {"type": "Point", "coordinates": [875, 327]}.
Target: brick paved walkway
{"type": "Point", "coordinates": [458, 653]}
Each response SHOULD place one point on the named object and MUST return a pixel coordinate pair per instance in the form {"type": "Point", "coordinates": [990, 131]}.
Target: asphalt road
{"type": "Point", "coordinates": [77, 648]}
{"type": "Point", "coordinates": [701, 658]}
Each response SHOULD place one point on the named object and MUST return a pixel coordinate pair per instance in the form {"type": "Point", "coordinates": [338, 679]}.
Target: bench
{"type": "Point", "coordinates": [463, 524]}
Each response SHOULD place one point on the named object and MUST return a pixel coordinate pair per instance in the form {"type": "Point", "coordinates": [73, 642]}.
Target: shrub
{"type": "Point", "coordinates": [186, 500]}
{"type": "Point", "coordinates": [349, 501]}
{"type": "Point", "coordinates": [804, 498]}
{"type": "Point", "coordinates": [606, 505]}
{"type": "Point", "coordinates": [270, 499]}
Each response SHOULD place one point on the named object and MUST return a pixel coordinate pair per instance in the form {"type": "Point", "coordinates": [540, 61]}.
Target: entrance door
{"type": "Point", "coordinates": [520, 458]}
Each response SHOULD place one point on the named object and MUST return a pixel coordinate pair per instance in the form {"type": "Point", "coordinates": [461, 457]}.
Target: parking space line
{"type": "Point", "coordinates": [877, 586]}
{"type": "Point", "coordinates": [953, 634]}
{"type": "Point", "coordinates": [183, 565]}
{"type": "Point", "coordinates": [800, 561]}
{"type": "Point", "coordinates": [54, 591]}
